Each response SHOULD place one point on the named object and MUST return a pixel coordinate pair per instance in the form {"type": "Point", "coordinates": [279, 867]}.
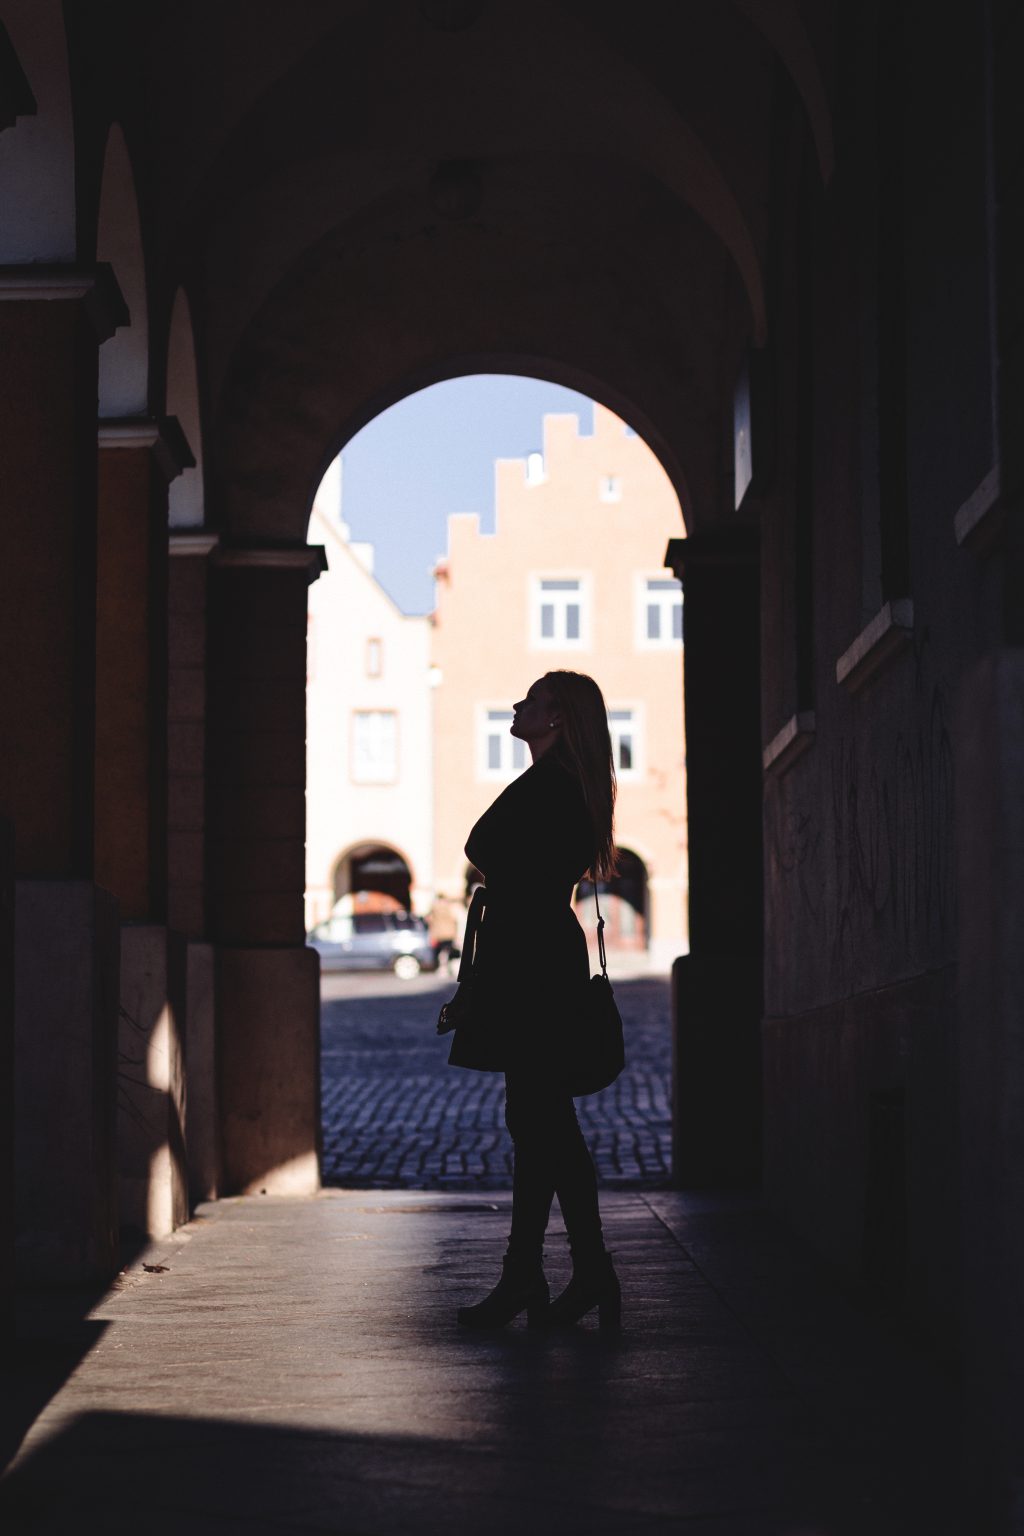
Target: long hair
{"type": "Point", "coordinates": [586, 747]}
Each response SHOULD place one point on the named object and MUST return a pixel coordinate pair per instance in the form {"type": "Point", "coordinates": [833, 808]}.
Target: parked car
{"type": "Point", "coordinates": [374, 941]}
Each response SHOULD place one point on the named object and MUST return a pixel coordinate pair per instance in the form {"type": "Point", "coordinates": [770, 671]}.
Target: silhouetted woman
{"type": "Point", "coordinates": [531, 967]}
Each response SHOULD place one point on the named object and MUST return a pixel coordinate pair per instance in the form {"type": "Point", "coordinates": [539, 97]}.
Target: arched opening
{"type": "Point", "coordinates": [626, 263]}
{"type": "Point", "coordinates": [624, 904]}
{"type": "Point", "coordinates": [372, 878]}
{"type": "Point", "coordinates": [427, 604]}
{"type": "Point", "coordinates": [124, 357]}
{"type": "Point", "coordinates": [186, 502]}
{"type": "Point", "coordinates": [574, 382]}
{"type": "Point", "coordinates": [37, 155]}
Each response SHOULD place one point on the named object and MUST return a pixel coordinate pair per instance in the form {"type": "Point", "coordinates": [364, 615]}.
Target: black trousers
{"type": "Point", "coordinates": [551, 1158]}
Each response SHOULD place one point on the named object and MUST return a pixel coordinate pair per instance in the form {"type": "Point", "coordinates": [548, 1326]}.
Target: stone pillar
{"type": "Point", "coordinates": [194, 970]}
{"type": "Point", "coordinates": [66, 963]}
{"type": "Point", "coordinates": [195, 976]}
{"type": "Point", "coordinates": [267, 980]}
{"type": "Point", "coordinates": [50, 327]}
{"type": "Point", "coordinates": [137, 460]}
{"type": "Point", "coordinates": [717, 987]}
{"type": "Point", "coordinates": [152, 1170]}
{"type": "Point", "coordinates": [66, 942]}
{"type": "Point", "coordinates": [186, 740]}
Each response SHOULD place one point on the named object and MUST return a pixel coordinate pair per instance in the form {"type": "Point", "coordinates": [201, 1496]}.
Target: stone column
{"type": "Point", "coordinates": [717, 987]}
{"type": "Point", "coordinates": [137, 460]}
{"type": "Point", "coordinates": [66, 939]}
{"type": "Point", "coordinates": [190, 551]}
{"type": "Point", "coordinates": [267, 980]}
{"type": "Point", "coordinates": [50, 327]}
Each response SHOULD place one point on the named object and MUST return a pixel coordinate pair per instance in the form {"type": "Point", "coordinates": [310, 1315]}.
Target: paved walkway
{"type": "Point", "coordinates": [395, 1115]}
{"type": "Point", "coordinates": [285, 1368]}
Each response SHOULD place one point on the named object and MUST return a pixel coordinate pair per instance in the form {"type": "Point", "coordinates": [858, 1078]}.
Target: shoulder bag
{"type": "Point", "coordinates": [459, 1012]}
{"type": "Point", "coordinates": [598, 1051]}
{"type": "Point", "coordinates": [595, 1052]}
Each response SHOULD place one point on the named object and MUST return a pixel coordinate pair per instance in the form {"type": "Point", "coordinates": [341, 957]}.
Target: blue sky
{"type": "Point", "coordinates": [431, 454]}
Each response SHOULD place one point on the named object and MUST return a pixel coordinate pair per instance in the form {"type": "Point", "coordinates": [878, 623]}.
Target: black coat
{"type": "Point", "coordinates": [532, 846]}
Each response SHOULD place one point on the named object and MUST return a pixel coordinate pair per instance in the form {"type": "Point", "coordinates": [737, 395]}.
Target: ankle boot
{"type": "Point", "coordinates": [520, 1289]}
{"type": "Point", "coordinates": [594, 1283]}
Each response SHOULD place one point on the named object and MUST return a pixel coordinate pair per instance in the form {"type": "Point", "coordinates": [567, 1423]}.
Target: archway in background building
{"type": "Point", "coordinates": [624, 904]}
{"type": "Point", "coordinates": [374, 878]}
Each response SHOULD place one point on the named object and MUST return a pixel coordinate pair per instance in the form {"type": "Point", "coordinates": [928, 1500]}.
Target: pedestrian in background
{"type": "Point", "coordinates": [443, 929]}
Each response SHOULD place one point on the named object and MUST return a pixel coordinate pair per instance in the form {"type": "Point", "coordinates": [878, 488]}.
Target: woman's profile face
{"type": "Point", "coordinates": [537, 715]}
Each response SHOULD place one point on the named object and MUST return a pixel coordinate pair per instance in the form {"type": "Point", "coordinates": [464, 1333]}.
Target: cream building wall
{"type": "Point", "coordinates": [596, 511]}
{"type": "Point", "coordinates": [368, 716]}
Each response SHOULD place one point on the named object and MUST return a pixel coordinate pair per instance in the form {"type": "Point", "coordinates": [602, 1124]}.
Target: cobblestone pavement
{"type": "Point", "coordinates": [395, 1115]}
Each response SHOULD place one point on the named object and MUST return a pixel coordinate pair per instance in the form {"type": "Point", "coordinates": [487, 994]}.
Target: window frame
{"type": "Point", "coordinates": [539, 642]}
{"type": "Point", "coordinates": [642, 639]}
{"type": "Point", "coordinates": [636, 711]}
{"type": "Point", "coordinates": [484, 772]}
{"type": "Point", "coordinates": [373, 641]}
{"type": "Point", "coordinates": [354, 713]}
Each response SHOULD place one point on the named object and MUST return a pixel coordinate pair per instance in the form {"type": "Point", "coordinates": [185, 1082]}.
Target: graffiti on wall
{"type": "Point", "coordinates": [860, 872]}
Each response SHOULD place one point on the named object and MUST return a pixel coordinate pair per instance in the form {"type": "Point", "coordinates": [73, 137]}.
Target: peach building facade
{"type": "Point", "coordinates": [572, 577]}
{"type": "Point", "coordinates": [368, 730]}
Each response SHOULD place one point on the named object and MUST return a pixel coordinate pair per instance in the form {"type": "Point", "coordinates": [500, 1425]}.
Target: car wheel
{"type": "Point", "coordinates": [406, 967]}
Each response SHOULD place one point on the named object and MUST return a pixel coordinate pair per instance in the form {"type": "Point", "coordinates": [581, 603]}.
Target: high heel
{"type": "Point", "coordinates": [518, 1290]}
{"type": "Point", "coordinates": [592, 1285]}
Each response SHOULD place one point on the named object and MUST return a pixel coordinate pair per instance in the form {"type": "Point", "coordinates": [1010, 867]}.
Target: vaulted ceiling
{"type": "Point", "coordinates": [364, 197]}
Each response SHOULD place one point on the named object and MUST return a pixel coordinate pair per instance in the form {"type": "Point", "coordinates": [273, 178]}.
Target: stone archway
{"type": "Point", "coordinates": [187, 499]}
{"type": "Point", "coordinates": [124, 357]}
{"type": "Point", "coordinates": [624, 904]}
{"type": "Point", "coordinates": [375, 878]}
{"type": "Point", "coordinates": [37, 164]}
{"type": "Point", "coordinates": [568, 268]}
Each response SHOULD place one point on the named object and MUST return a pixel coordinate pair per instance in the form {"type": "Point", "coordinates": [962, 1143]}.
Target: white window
{"type": "Point", "coordinates": [374, 746]}
{"type": "Point", "coordinates": [624, 729]}
{"type": "Point", "coordinates": [659, 613]}
{"type": "Point", "coordinates": [560, 613]}
{"type": "Point", "coordinates": [501, 756]}
{"type": "Point", "coordinates": [374, 657]}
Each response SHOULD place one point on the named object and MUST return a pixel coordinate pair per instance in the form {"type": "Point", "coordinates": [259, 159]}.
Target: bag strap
{"type": "Point", "coordinates": [473, 919]}
{"type": "Point", "coordinates": [600, 935]}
